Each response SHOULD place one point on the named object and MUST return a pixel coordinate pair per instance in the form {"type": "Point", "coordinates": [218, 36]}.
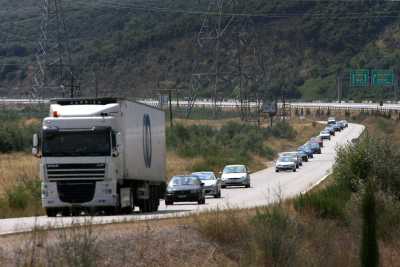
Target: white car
{"type": "Point", "coordinates": [234, 175]}
{"type": "Point", "coordinates": [285, 163]}
{"type": "Point", "coordinates": [325, 135]}
{"type": "Point", "coordinates": [212, 185]}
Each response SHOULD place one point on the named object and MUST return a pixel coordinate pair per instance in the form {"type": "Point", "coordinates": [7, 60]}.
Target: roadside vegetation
{"type": "Point", "coordinates": [352, 220]}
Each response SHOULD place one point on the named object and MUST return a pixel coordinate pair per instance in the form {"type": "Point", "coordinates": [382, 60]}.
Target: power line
{"type": "Point", "coordinates": [321, 15]}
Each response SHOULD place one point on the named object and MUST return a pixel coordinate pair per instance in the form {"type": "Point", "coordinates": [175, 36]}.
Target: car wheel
{"type": "Point", "coordinates": [169, 202]}
{"type": "Point", "coordinates": [294, 169]}
{"type": "Point", "coordinates": [218, 195]}
{"type": "Point", "coordinates": [276, 170]}
{"type": "Point", "coordinates": [247, 185]}
{"type": "Point", "coordinates": [51, 212]}
{"type": "Point", "coordinates": [223, 186]}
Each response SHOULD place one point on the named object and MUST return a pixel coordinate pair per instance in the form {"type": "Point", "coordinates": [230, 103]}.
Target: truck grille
{"type": "Point", "coordinates": [76, 171]}
{"type": "Point", "coordinates": [76, 191]}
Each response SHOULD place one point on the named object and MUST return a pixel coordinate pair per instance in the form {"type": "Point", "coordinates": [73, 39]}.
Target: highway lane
{"type": "Point", "coordinates": [267, 187]}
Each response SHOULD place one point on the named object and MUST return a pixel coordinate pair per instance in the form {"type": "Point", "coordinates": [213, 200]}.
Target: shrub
{"type": "Point", "coordinates": [25, 195]}
{"type": "Point", "coordinates": [14, 136]}
{"type": "Point", "coordinates": [277, 236]}
{"type": "Point", "coordinates": [327, 203]}
{"type": "Point", "coordinates": [369, 244]}
{"type": "Point", "coordinates": [281, 129]}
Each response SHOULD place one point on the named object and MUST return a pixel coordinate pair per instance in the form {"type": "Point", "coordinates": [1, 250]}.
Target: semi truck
{"type": "Point", "coordinates": [102, 154]}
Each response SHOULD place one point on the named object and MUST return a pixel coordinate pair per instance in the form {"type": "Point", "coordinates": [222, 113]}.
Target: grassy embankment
{"type": "Point", "coordinates": [353, 218]}
{"type": "Point", "coordinates": [192, 145]}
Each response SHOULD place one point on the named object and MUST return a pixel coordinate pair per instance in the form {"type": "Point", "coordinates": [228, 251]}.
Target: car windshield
{"type": "Point", "coordinates": [183, 180]}
{"type": "Point", "coordinates": [234, 169]}
{"type": "Point", "coordinates": [285, 159]}
{"type": "Point", "coordinates": [82, 143]}
{"type": "Point", "coordinates": [204, 175]}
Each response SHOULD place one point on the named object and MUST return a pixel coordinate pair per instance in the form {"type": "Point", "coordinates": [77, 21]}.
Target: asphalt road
{"type": "Point", "coordinates": [267, 186]}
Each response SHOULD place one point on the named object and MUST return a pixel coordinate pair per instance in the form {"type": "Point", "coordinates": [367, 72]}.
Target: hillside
{"type": "Point", "coordinates": [129, 48]}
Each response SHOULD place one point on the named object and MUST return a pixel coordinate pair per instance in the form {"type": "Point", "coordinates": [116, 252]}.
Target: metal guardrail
{"type": "Point", "coordinates": [236, 104]}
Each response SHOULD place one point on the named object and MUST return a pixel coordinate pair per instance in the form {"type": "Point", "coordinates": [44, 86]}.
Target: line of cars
{"type": "Point", "coordinates": [291, 161]}
{"type": "Point", "coordinates": [196, 186]}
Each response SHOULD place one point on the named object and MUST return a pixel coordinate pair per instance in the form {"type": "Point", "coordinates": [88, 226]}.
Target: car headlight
{"type": "Point", "coordinates": [170, 189]}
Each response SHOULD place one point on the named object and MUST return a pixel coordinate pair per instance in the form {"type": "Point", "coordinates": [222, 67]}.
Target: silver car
{"type": "Point", "coordinates": [296, 155]}
{"type": "Point", "coordinates": [212, 184]}
{"type": "Point", "coordinates": [235, 175]}
{"type": "Point", "coordinates": [285, 163]}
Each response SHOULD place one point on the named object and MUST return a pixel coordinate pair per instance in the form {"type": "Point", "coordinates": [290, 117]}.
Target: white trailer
{"type": "Point", "coordinates": [101, 154]}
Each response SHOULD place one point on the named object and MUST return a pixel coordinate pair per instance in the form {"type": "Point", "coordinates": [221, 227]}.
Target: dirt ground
{"type": "Point", "coordinates": [155, 243]}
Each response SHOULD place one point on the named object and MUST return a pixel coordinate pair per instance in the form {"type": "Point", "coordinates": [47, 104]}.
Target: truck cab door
{"type": "Point", "coordinates": [117, 155]}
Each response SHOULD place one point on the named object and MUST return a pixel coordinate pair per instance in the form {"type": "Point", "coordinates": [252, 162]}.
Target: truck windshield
{"type": "Point", "coordinates": [83, 143]}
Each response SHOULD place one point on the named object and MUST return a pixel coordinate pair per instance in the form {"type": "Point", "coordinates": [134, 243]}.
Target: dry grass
{"type": "Point", "coordinates": [212, 123]}
{"type": "Point", "coordinates": [17, 166]}
{"type": "Point", "coordinates": [135, 244]}
{"type": "Point", "coordinates": [179, 165]}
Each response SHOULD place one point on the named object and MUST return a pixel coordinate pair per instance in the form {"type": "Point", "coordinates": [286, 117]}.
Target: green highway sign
{"type": "Point", "coordinates": [382, 77]}
{"type": "Point", "coordinates": [359, 78]}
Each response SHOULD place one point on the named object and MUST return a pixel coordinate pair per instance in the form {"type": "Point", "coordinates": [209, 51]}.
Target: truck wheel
{"type": "Point", "coordinates": [51, 212]}
{"type": "Point", "coordinates": [65, 212]}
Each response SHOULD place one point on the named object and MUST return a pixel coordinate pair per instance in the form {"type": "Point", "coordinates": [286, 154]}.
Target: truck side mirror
{"type": "Point", "coordinates": [116, 148]}
{"type": "Point", "coordinates": [35, 145]}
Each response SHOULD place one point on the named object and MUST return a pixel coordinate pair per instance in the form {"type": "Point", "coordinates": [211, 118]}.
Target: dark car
{"type": "Point", "coordinates": [185, 188]}
{"type": "Point", "coordinates": [303, 155]}
{"type": "Point", "coordinates": [330, 130]}
{"type": "Point", "coordinates": [337, 127]}
{"type": "Point", "coordinates": [306, 149]}
{"type": "Point", "coordinates": [316, 149]}
{"type": "Point", "coordinates": [318, 140]}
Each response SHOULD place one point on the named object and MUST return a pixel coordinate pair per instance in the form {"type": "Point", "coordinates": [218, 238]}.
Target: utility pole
{"type": "Point", "coordinates": [339, 87]}
{"type": "Point", "coordinates": [53, 52]}
{"type": "Point", "coordinates": [170, 108]}
{"type": "Point", "coordinates": [208, 75]}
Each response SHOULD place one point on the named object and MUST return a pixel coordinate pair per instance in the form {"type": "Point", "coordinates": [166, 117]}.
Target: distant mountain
{"type": "Point", "coordinates": [133, 48]}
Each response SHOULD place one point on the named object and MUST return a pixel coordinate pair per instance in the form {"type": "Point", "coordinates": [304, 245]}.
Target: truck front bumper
{"type": "Point", "coordinates": [54, 194]}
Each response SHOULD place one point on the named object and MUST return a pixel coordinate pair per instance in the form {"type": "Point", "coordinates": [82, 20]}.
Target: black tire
{"type": "Point", "coordinates": [218, 195]}
{"type": "Point", "coordinates": [294, 170]}
{"type": "Point", "coordinates": [145, 206]}
{"type": "Point", "coordinates": [51, 212]}
{"type": "Point", "coordinates": [169, 202]}
{"type": "Point", "coordinates": [247, 185]}
{"type": "Point", "coordinates": [223, 186]}
{"type": "Point", "coordinates": [65, 212]}
{"type": "Point", "coordinates": [276, 170]}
